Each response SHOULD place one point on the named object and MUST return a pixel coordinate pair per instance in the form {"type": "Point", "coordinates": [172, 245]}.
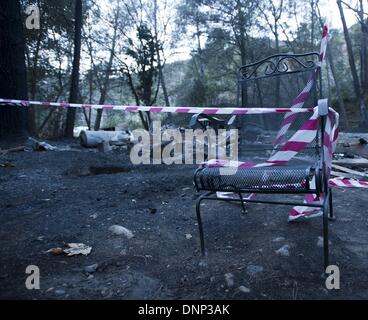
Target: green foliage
{"type": "Point", "coordinates": [142, 50]}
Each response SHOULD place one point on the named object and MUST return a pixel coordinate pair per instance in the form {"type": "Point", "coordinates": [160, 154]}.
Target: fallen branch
{"type": "Point", "coordinates": [16, 149]}
{"type": "Point", "coordinates": [359, 162]}
{"type": "Point", "coordinates": [344, 175]}
{"type": "Point", "coordinates": [347, 170]}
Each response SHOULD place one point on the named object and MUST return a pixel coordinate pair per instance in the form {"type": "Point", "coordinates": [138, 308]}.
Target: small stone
{"type": "Point", "coordinates": [244, 289]}
{"type": "Point", "coordinates": [320, 242]}
{"type": "Point", "coordinates": [92, 268]}
{"type": "Point", "coordinates": [254, 269]}
{"type": "Point", "coordinates": [229, 278]}
{"type": "Point", "coordinates": [284, 251]}
{"type": "Point", "coordinates": [188, 236]}
{"type": "Point", "coordinates": [152, 210]}
{"type": "Point", "coordinates": [119, 230]}
{"type": "Point", "coordinates": [60, 292]}
{"type": "Point", "coordinates": [278, 239]}
{"type": "Point", "coordinates": [202, 264]}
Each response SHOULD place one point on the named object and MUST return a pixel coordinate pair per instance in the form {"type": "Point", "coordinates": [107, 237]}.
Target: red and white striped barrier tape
{"type": "Point", "coordinates": [156, 109]}
{"type": "Point", "coordinates": [301, 99]}
{"type": "Point", "coordinates": [341, 182]}
{"type": "Point", "coordinates": [305, 135]}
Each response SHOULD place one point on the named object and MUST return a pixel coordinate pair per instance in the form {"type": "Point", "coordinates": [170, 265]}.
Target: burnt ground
{"type": "Point", "coordinates": [51, 198]}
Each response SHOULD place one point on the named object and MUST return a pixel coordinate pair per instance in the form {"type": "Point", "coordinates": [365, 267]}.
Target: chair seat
{"type": "Point", "coordinates": [276, 178]}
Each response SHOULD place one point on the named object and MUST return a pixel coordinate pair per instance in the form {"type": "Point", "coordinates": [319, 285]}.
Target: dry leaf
{"type": "Point", "coordinates": [77, 248]}
{"type": "Point", "coordinates": [56, 251]}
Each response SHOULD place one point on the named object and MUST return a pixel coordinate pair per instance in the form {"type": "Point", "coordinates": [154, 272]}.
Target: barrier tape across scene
{"type": "Point", "coordinates": [156, 109]}
{"type": "Point", "coordinates": [289, 149]}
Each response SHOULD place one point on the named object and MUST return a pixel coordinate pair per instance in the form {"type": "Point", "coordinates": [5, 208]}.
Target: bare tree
{"type": "Point", "coordinates": [276, 12]}
{"type": "Point", "coordinates": [349, 47]}
{"type": "Point", "coordinates": [159, 58]}
{"type": "Point", "coordinates": [106, 81]}
{"type": "Point", "coordinates": [13, 80]}
{"type": "Point", "coordinates": [330, 61]}
{"type": "Point", "coordinates": [354, 73]}
{"type": "Point", "coordinates": [74, 87]}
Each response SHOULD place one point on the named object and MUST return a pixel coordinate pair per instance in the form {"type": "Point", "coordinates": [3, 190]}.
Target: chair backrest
{"type": "Point", "coordinates": [282, 80]}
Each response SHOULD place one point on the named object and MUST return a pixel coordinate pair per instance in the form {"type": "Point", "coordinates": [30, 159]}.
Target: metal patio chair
{"type": "Point", "coordinates": [297, 175]}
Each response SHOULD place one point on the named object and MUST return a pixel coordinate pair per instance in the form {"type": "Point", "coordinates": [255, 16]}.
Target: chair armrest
{"type": "Point", "coordinates": [323, 107]}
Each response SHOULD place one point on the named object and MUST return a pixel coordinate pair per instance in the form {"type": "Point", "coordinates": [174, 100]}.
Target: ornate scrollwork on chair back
{"type": "Point", "coordinates": [278, 65]}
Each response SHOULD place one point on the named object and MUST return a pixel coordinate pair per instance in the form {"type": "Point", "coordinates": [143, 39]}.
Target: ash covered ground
{"type": "Point", "coordinates": [48, 199]}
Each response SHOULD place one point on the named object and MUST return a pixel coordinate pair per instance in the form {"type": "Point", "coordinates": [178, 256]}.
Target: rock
{"type": "Point", "coordinates": [119, 230]}
{"type": "Point", "coordinates": [104, 147]}
{"type": "Point", "coordinates": [202, 264]}
{"type": "Point", "coordinates": [229, 278]}
{"type": "Point", "coordinates": [244, 289]}
{"type": "Point", "coordinates": [152, 210]}
{"type": "Point", "coordinates": [188, 236]}
{"type": "Point", "coordinates": [284, 251]}
{"type": "Point", "coordinates": [92, 268]}
{"type": "Point", "coordinates": [254, 269]}
{"type": "Point", "coordinates": [320, 242]}
{"type": "Point", "coordinates": [34, 145]}
{"type": "Point", "coordinates": [60, 292]}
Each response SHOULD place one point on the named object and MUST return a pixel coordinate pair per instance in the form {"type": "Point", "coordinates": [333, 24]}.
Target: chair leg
{"type": "Point", "coordinates": [331, 214]}
{"type": "Point", "coordinates": [200, 226]}
{"type": "Point", "coordinates": [325, 237]}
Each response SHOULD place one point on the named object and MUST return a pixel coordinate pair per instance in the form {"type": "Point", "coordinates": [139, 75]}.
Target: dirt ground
{"type": "Point", "coordinates": [51, 198]}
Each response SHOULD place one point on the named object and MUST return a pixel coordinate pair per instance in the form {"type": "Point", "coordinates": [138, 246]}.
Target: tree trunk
{"type": "Point", "coordinates": [242, 49]}
{"type": "Point", "coordinates": [159, 64]}
{"type": "Point", "coordinates": [350, 52]}
{"type": "Point", "coordinates": [74, 88]}
{"type": "Point", "coordinates": [330, 61]}
{"type": "Point", "coordinates": [33, 86]}
{"type": "Point", "coordinates": [363, 66]}
{"type": "Point", "coordinates": [338, 90]}
{"type": "Point", "coordinates": [278, 81]}
{"type": "Point", "coordinates": [312, 4]}
{"type": "Point", "coordinates": [13, 78]}
{"type": "Point", "coordinates": [106, 82]}
{"type": "Point", "coordinates": [363, 48]}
